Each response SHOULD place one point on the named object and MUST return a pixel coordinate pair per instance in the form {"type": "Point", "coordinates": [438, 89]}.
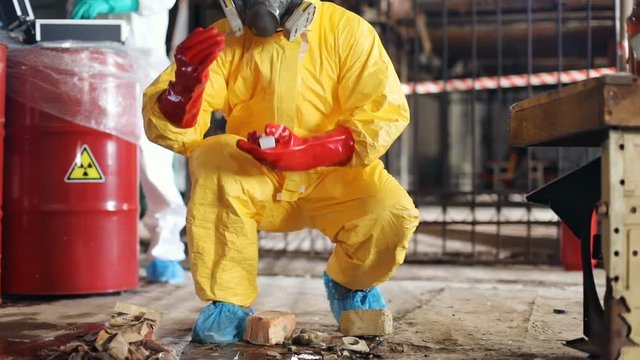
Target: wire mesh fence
{"type": "Point", "coordinates": [463, 63]}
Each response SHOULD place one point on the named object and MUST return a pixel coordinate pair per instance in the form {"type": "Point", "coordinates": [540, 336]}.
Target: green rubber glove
{"type": "Point", "coordinates": [90, 9]}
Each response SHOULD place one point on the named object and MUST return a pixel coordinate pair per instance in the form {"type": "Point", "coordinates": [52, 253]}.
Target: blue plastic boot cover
{"type": "Point", "coordinates": [221, 323]}
{"type": "Point", "coordinates": [165, 271]}
{"type": "Point", "coordinates": [343, 299]}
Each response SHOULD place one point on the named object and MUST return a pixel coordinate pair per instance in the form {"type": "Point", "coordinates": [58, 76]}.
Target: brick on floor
{"type": "Point", "coordinates": [270, 327]}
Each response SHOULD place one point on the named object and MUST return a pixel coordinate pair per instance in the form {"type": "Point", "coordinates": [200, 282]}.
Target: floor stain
{"type": "Point", "coordinates": [18, 339]}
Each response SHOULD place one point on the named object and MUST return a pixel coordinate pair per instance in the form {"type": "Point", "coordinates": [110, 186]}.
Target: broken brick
{"type": "Point", "coordinates": [270, 327]}
{"type": "Point", "coordinates": [366, 322]}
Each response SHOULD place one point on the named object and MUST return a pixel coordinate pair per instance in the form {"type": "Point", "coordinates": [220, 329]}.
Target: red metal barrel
{"type": "Point", "coordinates": [71, 195]}
{"type": "Point", "coordinates": [3, 78]}
{"type": "Point", "coordinates": [571, 246]}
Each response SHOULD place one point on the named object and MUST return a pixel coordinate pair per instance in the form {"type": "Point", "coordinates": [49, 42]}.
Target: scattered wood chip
{"type": "Point", "coordinates": [128, 335]}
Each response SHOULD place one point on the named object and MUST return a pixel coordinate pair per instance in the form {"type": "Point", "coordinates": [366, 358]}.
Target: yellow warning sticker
{"type": "Point", "coordinates": [84, 168]}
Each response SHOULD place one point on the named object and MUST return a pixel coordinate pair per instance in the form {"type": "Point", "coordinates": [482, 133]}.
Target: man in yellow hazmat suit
{"type": "Point", "coordinates": [312, 102]}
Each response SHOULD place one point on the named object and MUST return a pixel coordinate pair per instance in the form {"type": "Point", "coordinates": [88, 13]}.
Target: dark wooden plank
{"type": "Point", "coordinates": [556, 95]}
{"type": "Point", "coordinates": [577, 115]}
{"type": "Point", "coordinates": [557, 115]}
{"type": "Point", "coordinates": [622, 105]}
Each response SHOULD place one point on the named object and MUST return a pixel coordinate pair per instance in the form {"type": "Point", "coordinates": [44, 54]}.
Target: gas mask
{"type": "Point", "coordinates": [265, 17]}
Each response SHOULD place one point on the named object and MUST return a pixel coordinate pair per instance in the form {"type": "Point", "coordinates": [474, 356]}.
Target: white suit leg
{"type": "Point", "coordinates": [166, 212]}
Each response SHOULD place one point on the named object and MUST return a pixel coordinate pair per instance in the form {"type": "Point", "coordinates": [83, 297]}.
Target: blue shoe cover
{"type": "Point", "coordinates": [343, 299]}
{"type": "Point", "coordinates": [221, 323]}
{"type": "Point", "coordinates": [165, 271]}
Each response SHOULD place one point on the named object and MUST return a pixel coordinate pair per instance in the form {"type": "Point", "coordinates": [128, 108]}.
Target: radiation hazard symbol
{"type": "Point", "coordinates": [84, 168]}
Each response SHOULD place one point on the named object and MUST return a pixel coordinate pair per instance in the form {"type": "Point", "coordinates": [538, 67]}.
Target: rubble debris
{"type": "Point", "coordinates": [306, 356]}
{"type": "Point", "coordinates": [164, 356]}
{"type": "Point", "coordinates": [376, 344]}
{"type": "Point", "coordinates": [270, 327]}
{"type": "Point", "coordinates": [366, 322]}
{"type": "Point", "coordinates": [310, 338]}
{"type": "Point", "coordinates": [133, 322]}
{"type": "Point", "coordinates": [139, 353]}
{"type": "Point", "coordinates": [116, 346]}
{"type": "Point", "coordinates": [397, 348]}
{"type": "Point", "coordinates": [352, 343]}
{"type": "Point", "coordinates": [274, 355]}
{"type": "Point", "coordinates": [128, 335]}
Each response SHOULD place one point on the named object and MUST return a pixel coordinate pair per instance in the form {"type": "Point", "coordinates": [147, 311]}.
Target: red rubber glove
{"type": "Point", "coordinates": [294, 153]}
{"type": "Point", "coordinates": [180, 102]}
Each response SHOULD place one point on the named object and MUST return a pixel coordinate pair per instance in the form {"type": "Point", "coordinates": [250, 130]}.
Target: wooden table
{"type": "Point", "coordinates": [605, 113]}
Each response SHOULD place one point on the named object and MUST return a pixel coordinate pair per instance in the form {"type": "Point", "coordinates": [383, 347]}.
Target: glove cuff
{"type": "Point", "coordinates": [124, 6]}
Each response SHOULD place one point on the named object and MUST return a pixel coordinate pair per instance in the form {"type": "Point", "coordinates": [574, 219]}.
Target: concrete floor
{"type": "Point", "coordinates": [440, 312]}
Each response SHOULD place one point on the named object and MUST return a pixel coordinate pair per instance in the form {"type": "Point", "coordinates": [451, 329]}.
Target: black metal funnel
{"type": "Point", "coordinates": [573, 198]}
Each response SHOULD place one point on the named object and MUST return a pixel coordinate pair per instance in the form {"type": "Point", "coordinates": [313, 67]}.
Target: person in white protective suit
{"type": "Point", "coordinates": [148, 21]}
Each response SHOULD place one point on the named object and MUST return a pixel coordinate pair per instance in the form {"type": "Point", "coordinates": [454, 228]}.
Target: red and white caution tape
{"type": "Point", "coordinates": [505, 82]}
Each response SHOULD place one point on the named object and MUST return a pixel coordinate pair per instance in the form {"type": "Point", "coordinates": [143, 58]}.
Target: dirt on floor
{"type": "Point", "coordinates": [440, 312]}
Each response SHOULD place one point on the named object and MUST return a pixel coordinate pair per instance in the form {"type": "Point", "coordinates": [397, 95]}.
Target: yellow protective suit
{"type": "Point", "coordinates": [337, 73]}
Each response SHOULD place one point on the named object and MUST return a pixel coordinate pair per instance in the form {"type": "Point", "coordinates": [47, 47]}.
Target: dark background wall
{"type": "Point", "coordinates": [49, 9]}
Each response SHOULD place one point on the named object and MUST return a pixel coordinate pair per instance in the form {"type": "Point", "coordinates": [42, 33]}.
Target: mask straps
{"type": "Point", "coordinates": [232, 16]}
{"type": "Point", "coordinates": [299, 20]}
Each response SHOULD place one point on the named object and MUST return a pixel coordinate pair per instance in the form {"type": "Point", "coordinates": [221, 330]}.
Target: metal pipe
{"type": "Point", "coordinates": [530, 94]}
{"type": "Point", "coordinates": [500, 100]}
{"type": "Point", "coordinates": [474, 65]}
{"type": "Point", "coordinates": [444, 122]}
{"type": "Point", "coordinates": [589, 39]}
